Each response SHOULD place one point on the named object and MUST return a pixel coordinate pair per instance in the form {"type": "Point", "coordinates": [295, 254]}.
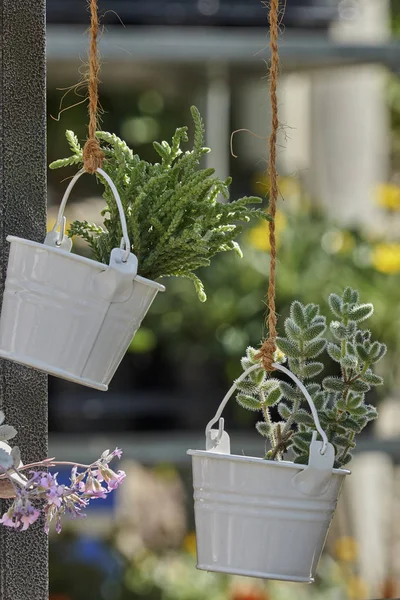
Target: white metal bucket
{"type": "Point", "coordinates": [262, 518]}
{"type": "Point", "coordinates": [68, 315]}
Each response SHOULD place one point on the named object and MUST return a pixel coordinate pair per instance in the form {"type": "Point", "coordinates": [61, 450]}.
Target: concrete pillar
{"type": "Point", "coordinates": [350, 124]}
{"type": "Point", "coordinates": [369, 491]}
{"type": "Point", "coordinates": [23, 392]}
{"type": "Point", "coordinates": [295, 120]}
{"type": "Point", "coordinates": [217, 120]}
{"type": "Point", "coordinates": [254, 113]}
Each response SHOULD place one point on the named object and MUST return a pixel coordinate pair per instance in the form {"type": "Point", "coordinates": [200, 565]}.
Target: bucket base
{"type": "Point", "coordinates": [258, 574]}
{"type": "Point", "coordinates": [40, 366]}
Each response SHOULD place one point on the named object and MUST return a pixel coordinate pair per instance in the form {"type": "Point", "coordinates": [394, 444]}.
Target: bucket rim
{"type": "Point", "coordinates": [247, 573]}
{"type": "Point", "coordinates": [81, 259]}
{"type": "Point", "coordinates": [53, 370]}
{"type": "Point", "coordinates": [261, 461]}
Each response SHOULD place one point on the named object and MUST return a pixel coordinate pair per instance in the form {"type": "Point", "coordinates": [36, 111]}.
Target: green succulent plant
{"type": "Point", "coordinates": [339, 400]}
{"type": "Point", "coordinates": [175, 222]}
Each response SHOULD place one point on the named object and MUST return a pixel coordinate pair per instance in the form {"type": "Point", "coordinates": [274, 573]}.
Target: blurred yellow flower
{"type": "Point", "coordinates": [337, 241]}
{"type": "Point", "coordinates": [258, 236]}
{"type": "Point", "coordinates": [388, 196]}
{"type": "Point", "coordinates": [189, 543]}
{"type": "Point", "coordinates": [51, 221]}
{"type": "Point", "coordinates": [348, 242]}
{"type": "Point", "coordinates": [261, 184]}
{"type": "Point", "coordinates": [288, 186]}
{"type": "Point", "coordinates": [386, 258]}
{"type": "Point", "coordinates": [346, 549]}
{"type": "Point", "coordinates": [357, 589]}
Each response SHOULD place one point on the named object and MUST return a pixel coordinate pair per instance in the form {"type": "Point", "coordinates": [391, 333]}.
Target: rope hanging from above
{"type": "Point", "coordinates": [268, 347]}
{"type": "Point", "coordinates": [93, 155]}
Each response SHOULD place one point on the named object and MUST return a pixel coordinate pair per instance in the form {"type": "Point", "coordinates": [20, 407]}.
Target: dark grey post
{"type": "Point", "coordinates": [23, 391]}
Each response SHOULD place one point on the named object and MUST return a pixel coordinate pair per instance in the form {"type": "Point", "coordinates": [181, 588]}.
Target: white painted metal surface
{"type": "Point", "coordinates": [262, 518]}
{"type": "Point", "coordinates": [68, 315]}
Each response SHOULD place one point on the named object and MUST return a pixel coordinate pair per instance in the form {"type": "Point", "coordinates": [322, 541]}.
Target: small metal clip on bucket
{"type": "Point", "coordinates": [66, 314]}
{"type": "Point", "coordinates": [263, 518]}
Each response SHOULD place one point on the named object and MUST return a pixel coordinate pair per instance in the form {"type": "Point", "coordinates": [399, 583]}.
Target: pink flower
{"type": "Point", "coordinates": [113, 479]}
{"type": "Point", "coordinates": [74, 471]}
{"type": "Point", "coordinates": [21, 514]}
{"type": "Point", "coordinates": [31, 515]}
{"type": "Point", "coordinates": [94, 489]}
{"type": "Point", "coordinates": [55, 495]}
{"type": "Point", "coordinates": [108, 456]}
{"type": "Point", "coordinates": [116, 453]}
{"type": "Point", "coordinates": [97, 474]}
{"type": "Point", "coordinates": [57, 500]}
{"type": "Point", "coordinates": [7, 519]}
{"type": "Point", "coordinates": [53, 492]}
{"type": "Point", "coordinates": [58, 524]}
{"type": "Point", "coordinates": [48, 481]}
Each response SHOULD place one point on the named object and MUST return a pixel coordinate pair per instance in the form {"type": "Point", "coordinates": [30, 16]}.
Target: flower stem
{"type": "Point", "coordinates": [47, 462]}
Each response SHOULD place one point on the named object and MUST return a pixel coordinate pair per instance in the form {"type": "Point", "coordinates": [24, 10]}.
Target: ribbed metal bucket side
{"type": "Point", "coordinates": [54, 318]}
{"type": "Point", "coordinates": [119, 327]}
{"type": "Point", "coordinates": [49, 314]}
{"type": "Point", "coordinates": [251, 519]}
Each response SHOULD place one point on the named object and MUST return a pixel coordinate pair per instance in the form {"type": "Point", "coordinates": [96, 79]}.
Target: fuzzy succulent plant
{"type": "Point", "coordinates": [339, 400]}
{"type": "Point", "coordinates": [175, 222]}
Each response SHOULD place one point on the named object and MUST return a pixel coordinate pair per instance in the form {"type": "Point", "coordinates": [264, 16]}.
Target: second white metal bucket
{"type": "Point", "coordinates": [68, 315]}
{"type": "Point", "coordinates": [262, 518]}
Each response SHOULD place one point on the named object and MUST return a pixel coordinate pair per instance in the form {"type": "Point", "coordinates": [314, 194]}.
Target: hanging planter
{"type": "Point", "coordinates": [74, 317]}
{"type": "Point", "coordinates": [263, 518]}
{"type": "Point", "coordinates": [268, 517]}
{"type": "Point", "coordinates": [175, 221]}
{"type": "Point", "coordinates": [68, 315]}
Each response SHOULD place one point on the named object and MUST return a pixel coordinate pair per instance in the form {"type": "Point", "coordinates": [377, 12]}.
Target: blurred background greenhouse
{"type": "Point", "coordinates": [338, 224]}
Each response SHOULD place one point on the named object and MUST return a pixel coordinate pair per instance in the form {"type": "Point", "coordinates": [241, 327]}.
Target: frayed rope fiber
{"type": "Point", "coordinates": [93, 155]}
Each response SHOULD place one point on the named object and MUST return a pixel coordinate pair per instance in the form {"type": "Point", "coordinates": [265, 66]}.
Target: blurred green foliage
{"type": "Point", "coordinates": [315, 257]}
{"type": "Point", "coordinates": [171, 575]}
{"type": "Point", "coordinates": [395, 6]}
{"type": "Point", "coordinates": [139, 115]}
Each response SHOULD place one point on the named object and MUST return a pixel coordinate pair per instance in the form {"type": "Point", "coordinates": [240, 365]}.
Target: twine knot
{"type": "Point", "coordinates": [93, 155]}
{"type": "Point", "coordinates": [267, 350]}
{"type": "Point", "coordinates": [266, 354]}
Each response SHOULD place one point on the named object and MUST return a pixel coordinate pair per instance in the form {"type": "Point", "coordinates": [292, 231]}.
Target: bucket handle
{"type": "Point", "coordinates": [216, 440]}
{"type": "Point", "coordinates": [60, 222]}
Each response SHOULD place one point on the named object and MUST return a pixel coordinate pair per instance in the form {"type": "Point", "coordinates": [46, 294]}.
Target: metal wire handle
{"type": "Point", "coordinates": [243, 376]}
{"type": "Point", "coordinates": [60, 223]}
